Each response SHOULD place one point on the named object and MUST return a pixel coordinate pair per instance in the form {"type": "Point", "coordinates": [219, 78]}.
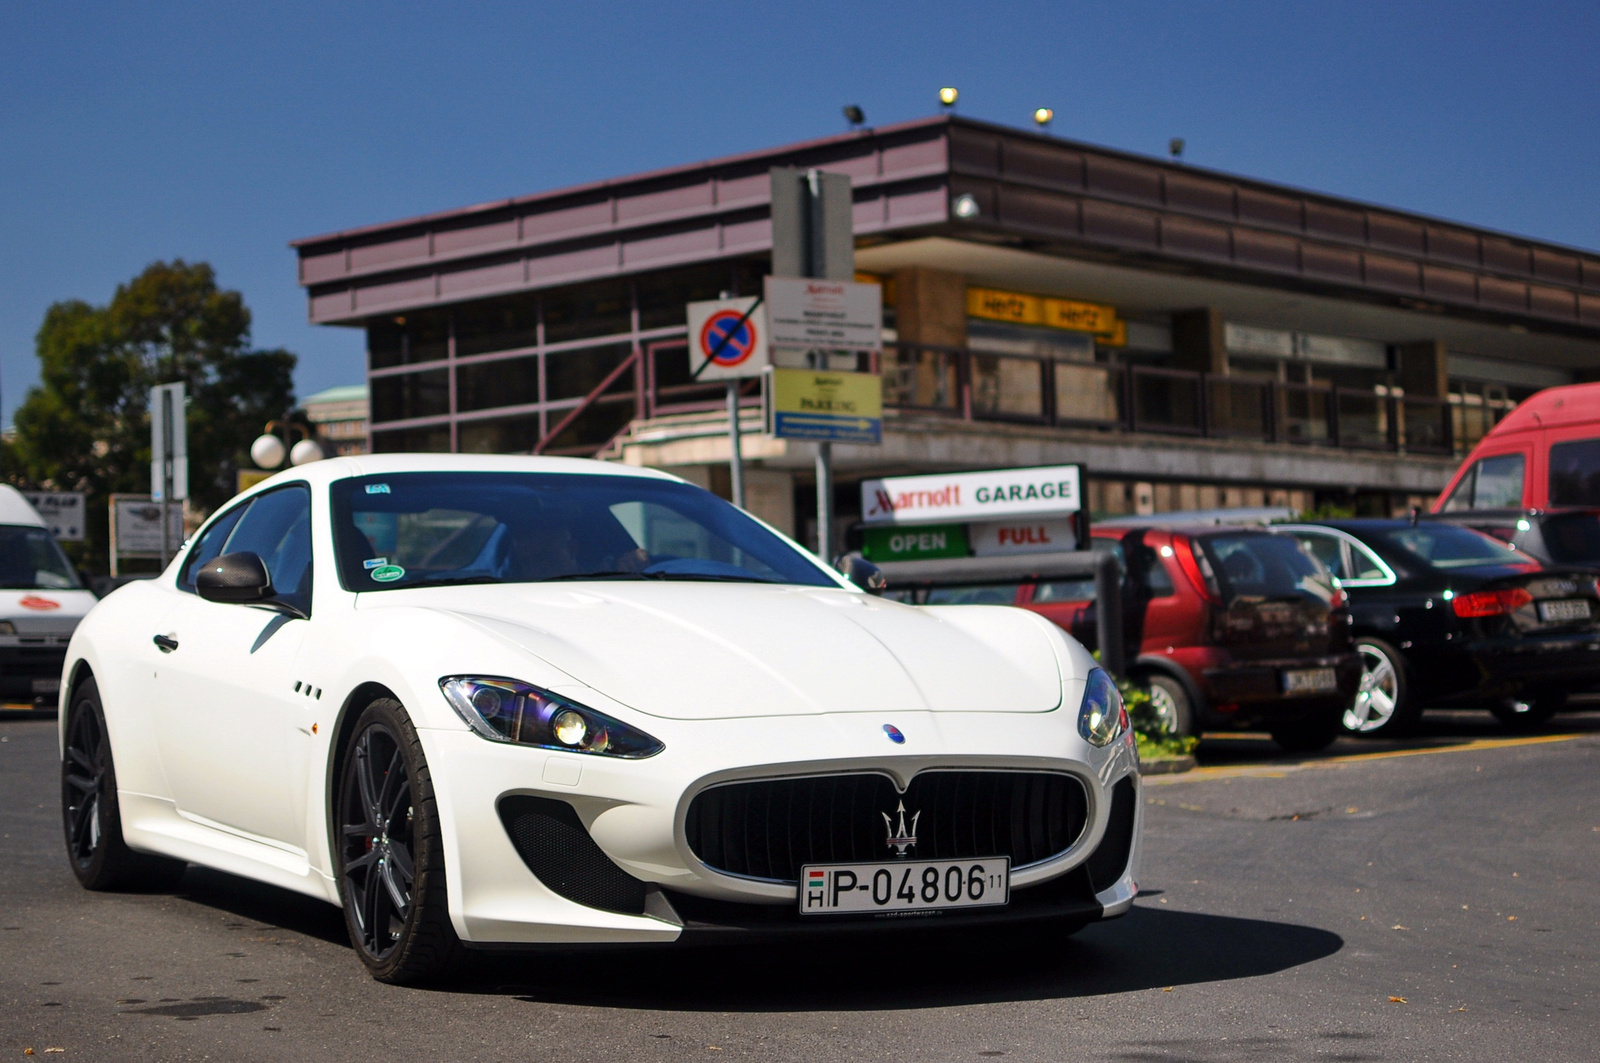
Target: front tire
{"type": "Point", "coordinates": [1171, 707]}
{"type": "Point", "coordinates": [91, 817]}
{"type": "Point", "coordinates": [391, 856]}
{"type": "Point", "coordinates": [1383, 707]}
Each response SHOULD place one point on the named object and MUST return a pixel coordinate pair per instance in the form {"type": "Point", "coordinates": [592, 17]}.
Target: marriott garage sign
{"type": "Point", "coordinates": [1049, 491]}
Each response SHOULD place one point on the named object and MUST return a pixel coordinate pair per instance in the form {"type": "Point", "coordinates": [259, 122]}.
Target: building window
{"type": "Point", "coordinates": [423, 336]}
{"type": "Point", "coordinates": [663, 297]}
{"type": "Point", "coordinates": [409, 395]}
{"type": "Point", "coordinates": [573, 374]}
{"type": "Point", "coordinates": [501, 325]}
{"type": "Point", "coordinates": [603, 309]}
{"type": "Point", "coordinates": [507, 382]}
{"type": "Point", "coordinates": [434, 439]}
{"type": "Point", "coordinates": [507, 435]}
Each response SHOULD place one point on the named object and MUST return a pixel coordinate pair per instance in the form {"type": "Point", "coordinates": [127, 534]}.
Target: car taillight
{"type": "Point", "coordinates": [1490, 603]}
{"type": "Point", "coordinates": [1337, 599]}
{"type": "Point", "coordinates": [1184, 548]}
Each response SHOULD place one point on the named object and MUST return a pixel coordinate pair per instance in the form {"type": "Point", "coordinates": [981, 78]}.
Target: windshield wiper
{"type": "Point", "coordinates": [455, 581]}
{"type": "Point", "coordinates": [709, 576]}
{"type": "Point", "coordinates": [607, 574]}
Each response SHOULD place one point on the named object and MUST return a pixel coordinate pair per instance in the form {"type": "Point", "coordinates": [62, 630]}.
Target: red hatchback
{"type": "Point", "coordinates": [1230, 628]}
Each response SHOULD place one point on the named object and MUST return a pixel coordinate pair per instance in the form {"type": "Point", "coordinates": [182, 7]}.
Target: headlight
{"type": "Point", "coordinates": [505, 710]}
{"type": "Point", "coordinates": [1102, 717]}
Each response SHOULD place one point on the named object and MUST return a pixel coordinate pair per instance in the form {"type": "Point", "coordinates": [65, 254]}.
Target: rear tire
{"type": "Point", "coordinates": [1530, 713]}
{"type": "Point", "coordinates": [91, 817]}
{"type": "Point", "coordinates": [390, 852]}
{"type": "Point", "coordinates": [1170, 704]}
{"type": "Point", "coordinates": [1308, 734]}
{"type": "Point", "coordinates": [1383, 707]}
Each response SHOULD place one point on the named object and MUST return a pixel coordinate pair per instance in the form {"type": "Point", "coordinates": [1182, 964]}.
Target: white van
{"type": "Point", "coordinates": [41, 602]}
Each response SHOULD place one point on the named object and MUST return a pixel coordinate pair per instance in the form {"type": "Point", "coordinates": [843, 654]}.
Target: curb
{"type": "Point", "coordinates": [1167, 765]}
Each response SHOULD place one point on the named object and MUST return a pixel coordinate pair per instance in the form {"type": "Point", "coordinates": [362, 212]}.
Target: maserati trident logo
{"type": "Point", "coordinates": [901, 839]}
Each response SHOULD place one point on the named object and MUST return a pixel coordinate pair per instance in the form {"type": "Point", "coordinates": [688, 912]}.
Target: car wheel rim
{"type": "Point", "coordinates": [1378, 695]}
{"type": "Point", "coordinates": [81, 783]}
{"type": "Point", "coordinates": [1164, 708]}
{"type": "Point", "coordinates": [377, 820]}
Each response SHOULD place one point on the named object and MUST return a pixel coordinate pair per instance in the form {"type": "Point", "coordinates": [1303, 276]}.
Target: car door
{"type": "Point", "coordinates": [226, 685]}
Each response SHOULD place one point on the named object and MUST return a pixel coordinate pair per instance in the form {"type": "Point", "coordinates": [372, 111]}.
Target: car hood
{"type": "Point", "coordinates": [45, 612]}
{"type": "Point", "coordinates": [704, 651]}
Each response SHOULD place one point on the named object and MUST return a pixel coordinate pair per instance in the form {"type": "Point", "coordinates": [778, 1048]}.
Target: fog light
{"type": "Point", "coordinates": [569, 728]}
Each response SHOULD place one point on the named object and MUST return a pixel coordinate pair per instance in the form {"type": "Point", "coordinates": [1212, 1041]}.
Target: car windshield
{"type": "Point", "coordinates": [30, 560]}
{"type": "Point", "coordinates": [436, 528]}
{"type": "Point", "coordinates": [1452, 546]}
{"type": "Point", "coordinates": [1265, 566]}
{"type": "Point", "coordinates": [973, 594]}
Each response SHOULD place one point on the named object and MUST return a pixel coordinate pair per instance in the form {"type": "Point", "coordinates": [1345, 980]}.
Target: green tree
{"type": "Point", "coordinates": [85, 426]}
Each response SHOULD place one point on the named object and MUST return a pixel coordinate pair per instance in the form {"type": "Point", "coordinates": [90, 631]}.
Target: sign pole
{"type": "Point", "coordinates": [166, 474]}
{"type": "Point", "coordinates": [735, 458]}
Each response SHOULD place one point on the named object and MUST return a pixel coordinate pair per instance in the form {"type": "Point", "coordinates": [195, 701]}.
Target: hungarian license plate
{"type": "Point", "coordinates": [1310, 681]}
{"type": "Point", "coordinates": [47, 686]}
{"type": "Point", "coordinates": [901, 886]}
{"type": "Point", "coordinates": [1571, 609]}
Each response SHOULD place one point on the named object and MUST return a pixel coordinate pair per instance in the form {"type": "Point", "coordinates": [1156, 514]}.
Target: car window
{"type": "Point", "coordinates": [1575, 473]}
{"type": "Point", "coordinates": [1329, 549]}
{"type": "Point", "coordinates": [1365, 563]}
{"type": "Point", "coordinates": [31, 560]}
{"type": "Point", "coordinates": [1065, 590]}
{"type": "Point", "coordinates": [1265, 566]}
{"type": "Point", "coordinates": [1572, 538]}
{"type": "Point", "coordinates": [413, 529]}
{"type": "Point", "coordinates": [209, 545]}
{"type": "Point", "coordinates": [976, 594]}
{"type": "Point", "coordinates": [1451, 546]}
{"type": "Point", "coordinates": [277, 529]}
{"type": "Point", "coordinates": [1491, 483]}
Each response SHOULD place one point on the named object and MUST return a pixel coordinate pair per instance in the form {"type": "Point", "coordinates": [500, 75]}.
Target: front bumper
{"type": "Point", "coordinates": [633, 811]}
{"type": "Point", "coordinates": [30, 669]}
{"type": "Point", "coordinates": [1503, 667]}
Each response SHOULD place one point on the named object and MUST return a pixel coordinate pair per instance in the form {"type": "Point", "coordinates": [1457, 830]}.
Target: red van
{"type": "Point", "coordinates": [1544, 454]}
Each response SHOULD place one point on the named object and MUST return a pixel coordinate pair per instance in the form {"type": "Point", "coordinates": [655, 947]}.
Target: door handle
{"type": "Point", "coordinates": [166, 642]}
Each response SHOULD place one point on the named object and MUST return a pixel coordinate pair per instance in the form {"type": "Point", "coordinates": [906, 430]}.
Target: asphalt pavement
{"type": "Point", "coordinates": [1426, 900]}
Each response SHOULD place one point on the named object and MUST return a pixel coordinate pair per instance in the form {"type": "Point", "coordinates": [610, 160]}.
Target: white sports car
{"type": "Point", "coordinates": [501, 700]}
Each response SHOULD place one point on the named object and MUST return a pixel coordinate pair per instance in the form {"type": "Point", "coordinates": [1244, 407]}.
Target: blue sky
{"type": "Point", "coordinates": [131, 133]}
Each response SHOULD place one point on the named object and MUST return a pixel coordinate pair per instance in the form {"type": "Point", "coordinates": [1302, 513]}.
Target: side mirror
{"type": "Point", "coordinates": [234, 578]}
{"type": "Point", "coordinates": [861, 572]}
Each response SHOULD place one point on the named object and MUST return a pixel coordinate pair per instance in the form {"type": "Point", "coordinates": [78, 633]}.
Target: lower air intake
{"type": "Point", "coordinates": [558, 850]}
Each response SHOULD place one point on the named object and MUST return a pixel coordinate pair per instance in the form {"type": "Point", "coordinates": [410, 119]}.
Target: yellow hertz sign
{"type": "Point", "coordinates": [1070, 314]}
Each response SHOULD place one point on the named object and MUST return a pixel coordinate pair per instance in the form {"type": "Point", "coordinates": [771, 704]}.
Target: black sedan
{"type": "Point", "coordinates": [1444, 615]}
{"type": "Point", "coordinates": [1552, 536]}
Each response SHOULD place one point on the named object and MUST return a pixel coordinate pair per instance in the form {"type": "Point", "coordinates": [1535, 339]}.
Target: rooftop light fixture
{"type": "Point", "coordinates": [1042, 117]}
{"type": "Point", "coordinates": [854, 115]}
{"type": "Point", "coordinates": [948, 97]}
{"type": "Point", "coordinates": [1175, 147]}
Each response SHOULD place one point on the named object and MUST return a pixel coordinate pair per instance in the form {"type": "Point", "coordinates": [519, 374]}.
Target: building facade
{"type": "Point", "coordinates": [339, 417]}
{"type": "Point", "coordinates": [1194, 339]}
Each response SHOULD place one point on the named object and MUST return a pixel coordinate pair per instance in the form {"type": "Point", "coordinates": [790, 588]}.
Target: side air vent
{"type": "Point", "coordinates": [1109, 860]}
{"type": "Point", "coordinates": [558, 850]}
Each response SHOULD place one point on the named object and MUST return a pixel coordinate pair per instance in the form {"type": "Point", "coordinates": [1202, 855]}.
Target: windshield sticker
{"type": "Point", "coordinates": [388, 573]}
{"type": "Point", "coordinates": [377, 489]}
{"type": "Point", "coordinates": [375, 562]}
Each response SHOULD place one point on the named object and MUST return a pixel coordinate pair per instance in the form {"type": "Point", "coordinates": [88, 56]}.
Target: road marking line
{"type": "Point", "coordinates": [1279, 771]}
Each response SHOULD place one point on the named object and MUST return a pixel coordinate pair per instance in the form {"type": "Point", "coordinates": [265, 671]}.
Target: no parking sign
{"type": "Point", "coordinates": [727, 339]}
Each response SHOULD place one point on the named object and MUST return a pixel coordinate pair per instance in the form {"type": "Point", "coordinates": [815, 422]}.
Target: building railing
{"type": "Point", "coordinates": [973, 385]}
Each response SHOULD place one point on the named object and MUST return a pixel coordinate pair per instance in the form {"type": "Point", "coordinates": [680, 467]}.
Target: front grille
{"type": "Point", "coordinates": [769, 829]}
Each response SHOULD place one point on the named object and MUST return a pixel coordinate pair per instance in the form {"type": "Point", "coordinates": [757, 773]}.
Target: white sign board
{"type": "Point", "coordinates": [1041, 536]}
{"type": "Point", "coordinates": [62, 512]}
{"type": "Point", "coordinates": [136, 526]}
{"type": "Point", "coordinates": [169, 442]}
{"type": "Point", "coordinates": [726, 339]}
{"type": "Point", "coordinates": [829, 315]}
{"type": "Point", "coordinates": [1048, 491]}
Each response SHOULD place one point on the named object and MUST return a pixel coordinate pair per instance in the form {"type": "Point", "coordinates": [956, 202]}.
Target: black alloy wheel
{"type": "Point", "coordinates": [391, 860]}
{"type": "Point", "coordinates": [91, 817]}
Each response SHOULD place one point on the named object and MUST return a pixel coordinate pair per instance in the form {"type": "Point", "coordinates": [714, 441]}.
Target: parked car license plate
{"type": "Point", "coordinates": [899, 886]}
{"type": "Point", "coordinates": [1310, 681]}
{"type": "Point", "coordinates": [47, 686]}
{"type": "Point", "coordinates": [1570, 609]}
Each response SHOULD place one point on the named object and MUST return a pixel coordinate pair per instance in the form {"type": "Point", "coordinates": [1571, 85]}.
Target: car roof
{"type": "Point", "coordinates": [14, 509]}
{"type": "Point", "coordinates": [1192, 530]}
{"type": "Point", "coordinates": [321, 473]}
{"type": "Point", "coordinates": [1568, 404]}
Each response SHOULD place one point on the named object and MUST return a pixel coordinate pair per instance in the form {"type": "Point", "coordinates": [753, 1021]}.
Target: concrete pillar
{"type": "Point", "coordinates": [769, 494]}
{"type": "Point", "coordinates": [931, 307]}
{"type": "Point", "coordinates": [1424, 369]}
{"type": "Point", "coordinates": [1198, 342]}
